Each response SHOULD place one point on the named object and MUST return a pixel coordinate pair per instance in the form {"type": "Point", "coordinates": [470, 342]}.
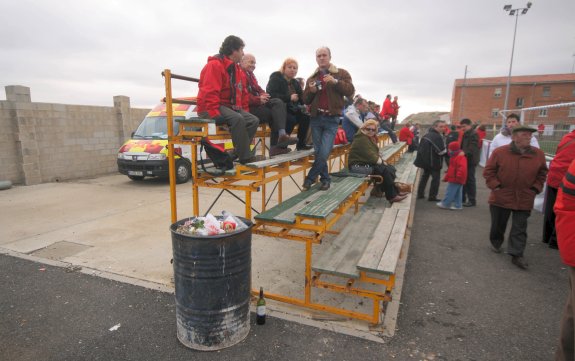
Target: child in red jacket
{"type": "Point", "coordinates": [455, 177]}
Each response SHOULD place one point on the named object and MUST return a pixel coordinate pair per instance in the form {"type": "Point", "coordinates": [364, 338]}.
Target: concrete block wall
{"type": "Point", "coordinates": [43, 142]}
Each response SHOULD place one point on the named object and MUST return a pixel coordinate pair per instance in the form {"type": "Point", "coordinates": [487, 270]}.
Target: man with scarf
{"type": "Point", "coordinates": [223, 96]}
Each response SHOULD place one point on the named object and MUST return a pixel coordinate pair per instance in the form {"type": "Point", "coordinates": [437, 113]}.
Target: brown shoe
{"type": "Point", "coordinates": [286, 140]}
{"type": "Point", "coordinates": [276, 150]}
{"type": "Point", "coordinates": [397, 198]}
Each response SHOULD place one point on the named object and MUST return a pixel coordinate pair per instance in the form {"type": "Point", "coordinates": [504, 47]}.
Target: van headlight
{"type": "Point", "coordinates": [159, 156]}
{"type": "Point", "coordinates": [120, 155]}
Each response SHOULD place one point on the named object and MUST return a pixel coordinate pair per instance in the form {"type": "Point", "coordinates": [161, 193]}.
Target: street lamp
{"type": "Point", "coordinates": [513, 12]}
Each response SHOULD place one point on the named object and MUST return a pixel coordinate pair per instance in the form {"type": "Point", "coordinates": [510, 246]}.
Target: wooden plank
{"type": "Point", "coordinates": [391, 254]}
{"type": "Point", "coordinates": [332, 198]}
{"type": "Point", "coordinates": [195, 120]}
{"type": "Point", "coordinates": [228, 172]}
{"type": "Point", "coordinates": [288, 157]}
{"type": "Point", "coordinates": [343, 253]}
{"type": "Point", "coordinates": [376, 246]}
{"type": "Point", "coordinates": [287, 204]}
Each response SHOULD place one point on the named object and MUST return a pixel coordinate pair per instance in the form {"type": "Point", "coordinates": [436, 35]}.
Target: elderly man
{"type": "Point", "coordinates": [324, 93]}
{"type": "Point", "coordinates": [504, 137]}
{"type": "Point", "coordinates": [271, 111]}
{"type": "Point", "coordinates": [223, 96]}
{"type": "Point", "coordinates": [353, 118]}
{"type": "Point", "coordinates": [515, 173]}
{"type": "Point", "coordinates": [430, 158]}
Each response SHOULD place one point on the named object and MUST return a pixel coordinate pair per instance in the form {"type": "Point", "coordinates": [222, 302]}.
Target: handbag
{"type": "Point", "coordinates": [403, 187]}
{"type": "Point", "coordinates": [221, 159]}
{"type": "Point", "coordinates": [340, 137]}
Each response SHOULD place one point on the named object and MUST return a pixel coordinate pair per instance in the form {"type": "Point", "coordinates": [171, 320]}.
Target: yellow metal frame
{"type": "Point", "coordinates": [304, 229]}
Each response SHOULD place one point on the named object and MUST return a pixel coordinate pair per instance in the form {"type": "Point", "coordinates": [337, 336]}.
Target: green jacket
{"type": "Point", "coordinates": [363, 150]}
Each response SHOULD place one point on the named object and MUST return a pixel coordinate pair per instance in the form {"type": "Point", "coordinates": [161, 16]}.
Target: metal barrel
{"type": "Point", "coordinates": [212, 275]}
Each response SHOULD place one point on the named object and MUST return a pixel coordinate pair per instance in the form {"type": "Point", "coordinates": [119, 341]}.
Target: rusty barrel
{"type": "Point", "coordinates": [212, 276]}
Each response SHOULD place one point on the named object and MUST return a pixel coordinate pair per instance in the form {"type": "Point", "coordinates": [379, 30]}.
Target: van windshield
{"type": "Point", "coordinates": [154, 128]}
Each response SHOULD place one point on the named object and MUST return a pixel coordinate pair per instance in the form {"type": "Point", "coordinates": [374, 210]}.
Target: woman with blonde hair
{"type": "Point", "coordinates": [364, 158]}
{"type": "Point", "coordinates": [284, 85]}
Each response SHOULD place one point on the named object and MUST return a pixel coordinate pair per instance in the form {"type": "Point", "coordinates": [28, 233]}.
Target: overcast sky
{"type": "Point", "coordinates": [85, 52]}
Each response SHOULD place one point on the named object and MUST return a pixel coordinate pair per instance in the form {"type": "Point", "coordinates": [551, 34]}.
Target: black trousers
{"type": "Point", "coordinates": [303, 126]}
{"type": "Point", "coordinates": [433, 187]}
{"type": "Point", "coordinates": [517, 235]}
{"type": "Point", "coordinates": [274, 114]}
{"type": "Point", "coordinates": [470, 187]}
{"type": "Point", "coordinates": [549, 235]}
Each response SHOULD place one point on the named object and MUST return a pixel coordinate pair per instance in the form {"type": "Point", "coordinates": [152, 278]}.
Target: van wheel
{"type": "Point", "coordinates": [183, 171]}
{"type": "Point", "coordinates": [136, 177]}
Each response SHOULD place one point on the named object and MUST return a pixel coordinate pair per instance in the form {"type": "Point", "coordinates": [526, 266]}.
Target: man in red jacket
{"type": "Point", "coordinates": [515, 173]}
{"type": "Point", "coordinates": [564, 154]}
{"type": "Point", "coordinates": [565, 226]}
{"type": "Point", "coordinates": [395, 108]}
{"type": "Point", "coordinates": [405, 135]}
{"type": "Point", "coordinates": [223, 96]}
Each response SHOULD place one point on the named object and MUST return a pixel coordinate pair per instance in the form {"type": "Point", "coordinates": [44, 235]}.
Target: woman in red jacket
{"type": "Point", "coordinates": [455, 177]}
{"type": "Point", "coordinates": [565, 227]}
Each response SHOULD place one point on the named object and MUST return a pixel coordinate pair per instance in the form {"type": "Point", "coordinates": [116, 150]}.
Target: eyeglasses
{"type": "Point", "coordinates": [370, 129]}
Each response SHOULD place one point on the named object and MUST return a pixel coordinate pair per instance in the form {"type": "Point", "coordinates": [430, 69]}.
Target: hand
{"type": "Point", "coordinates": [294, 98]}
{"type": "Point", "coordinates": [329, 79]}
{"type": "Point", "coordinates": [312, 86]}
{"type": "Point", "coordinates": [264, 98]}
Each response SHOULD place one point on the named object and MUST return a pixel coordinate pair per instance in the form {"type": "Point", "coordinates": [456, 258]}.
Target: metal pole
{"type": "Point", "coordinates": [510, 65]}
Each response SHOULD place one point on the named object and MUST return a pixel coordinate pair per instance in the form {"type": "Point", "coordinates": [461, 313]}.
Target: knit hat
{"type": "Point", "coordinates": [454, 146]}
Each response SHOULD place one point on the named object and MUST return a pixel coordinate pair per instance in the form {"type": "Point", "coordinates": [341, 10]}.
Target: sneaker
{"type": "Point", "coordinates": [277, 150]}
{"type": "Point", "coordinates": [324, 186]}
{"type": "Point", "coordinates": [496, 249]}
{"type": "Point", "coordinates": [454, 208]}
{"type": "Point", "coordinates": [306, 185]}
{"type": "Point", "coordinates": [519, 262]}
{"type": "Point", "coordinates": [441, 205]}
{"type": "Point", "coordinates": [286, 140]}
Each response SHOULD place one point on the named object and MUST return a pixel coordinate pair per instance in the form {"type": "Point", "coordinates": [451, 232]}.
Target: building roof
{"type": "Point", "coordinates": [519, 79]}
{"type": "Point", "coordinates": [427, 117]}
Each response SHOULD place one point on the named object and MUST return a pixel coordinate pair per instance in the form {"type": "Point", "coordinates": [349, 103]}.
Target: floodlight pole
{"type": "Point", "coordinates": [517, 12]}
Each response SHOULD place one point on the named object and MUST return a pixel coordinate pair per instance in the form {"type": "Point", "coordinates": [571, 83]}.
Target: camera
{"type": "Point", "coordinates": [318, 84]}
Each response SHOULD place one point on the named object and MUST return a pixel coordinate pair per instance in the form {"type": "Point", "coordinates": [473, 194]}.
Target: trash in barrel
{"type": "Point", "coordinates": [212, 275]}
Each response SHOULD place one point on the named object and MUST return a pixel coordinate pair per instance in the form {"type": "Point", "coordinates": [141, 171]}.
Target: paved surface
{"type": "Point", "coordinates": [460, 301]}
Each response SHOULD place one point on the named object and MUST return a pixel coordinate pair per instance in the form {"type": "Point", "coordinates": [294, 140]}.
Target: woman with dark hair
{"type": "Point", "coordinates": [284, 85]}
{"type": "Point", "coordinates": [364, 158]}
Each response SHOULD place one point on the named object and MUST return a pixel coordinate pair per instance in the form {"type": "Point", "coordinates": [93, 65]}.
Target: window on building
{"type": "Point", "coordinates": [543, 112]}
{"type": "Point", "coordinates": [519, 103]}
{"type": "Point", "coordinates": [494, 112]}
{"type": "Point", "coordinates": [497, 93]}
{"type": "Point", "coordinates": [572, 112]}
{"type": "Point", "coordinates": [546, 91]}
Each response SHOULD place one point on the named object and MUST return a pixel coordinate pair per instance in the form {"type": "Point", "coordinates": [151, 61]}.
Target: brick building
{"type": "Point", "coordinates": [480, 99]}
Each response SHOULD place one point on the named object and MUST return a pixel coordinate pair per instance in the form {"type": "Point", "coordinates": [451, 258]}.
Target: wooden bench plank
{"type": "Point", "coordinates": [288, 157]}
{"type": "Point", "coordinates": [332, 198]}
{"type": "Point", "coordinates": [376, 246]}
{"type": "Point", "coordinates": [289, 204]}
{"type": "Point", "coordinates": [390, 256]}
{"type": "Point", "coordinates": [195, 120]}
{"type": "Point", "coordinates": [342, 254]}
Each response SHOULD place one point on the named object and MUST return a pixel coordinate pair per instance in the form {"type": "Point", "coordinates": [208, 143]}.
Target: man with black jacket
{"type": "Point", "coordinates": [429, 159]}
{"type": "Point", "coordinates": [470, 145]}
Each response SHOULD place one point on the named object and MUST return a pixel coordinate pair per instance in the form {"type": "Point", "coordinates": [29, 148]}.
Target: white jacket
{"type": "Point", "coordinates": [501, 140]}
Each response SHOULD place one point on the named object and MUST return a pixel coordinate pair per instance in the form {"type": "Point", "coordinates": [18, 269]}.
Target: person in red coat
{"type": "Point", "coordinates": [565, 227]}
{"type": "Point", "coordinates": [395, 108]}
{"type": "Point", "coordinates": [456, 176]}
{"type": "Point", "coordinates": [481, 132]}
{"type": "Point", "coordinates": [387, 109]}
{"type": "Point", "coordinates": [564, 154]}
{"type": "Point", "coordinates": [405, 135]}
{"type": "Point", "coordinates": [515, 173]}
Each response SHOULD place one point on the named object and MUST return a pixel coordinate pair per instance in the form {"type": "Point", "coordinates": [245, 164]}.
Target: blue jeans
{"type": "Point", "coordinates": [323, 129]}
{"type": "Point", "coordinates": [453, 195]}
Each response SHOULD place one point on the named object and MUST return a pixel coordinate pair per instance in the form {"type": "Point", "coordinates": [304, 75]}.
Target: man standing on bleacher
{"type": "Point", "coordinates": [223, 96]}
{"type": "Point", "coordinates": [324, 92]}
